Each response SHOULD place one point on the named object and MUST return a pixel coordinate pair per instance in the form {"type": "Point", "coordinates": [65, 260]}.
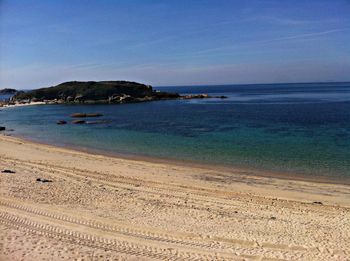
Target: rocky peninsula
{"type": "Point", "coordinates": [91, 92]}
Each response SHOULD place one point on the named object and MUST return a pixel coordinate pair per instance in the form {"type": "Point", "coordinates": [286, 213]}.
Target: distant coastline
{"type": "Point", "coordinates": [103, 92]}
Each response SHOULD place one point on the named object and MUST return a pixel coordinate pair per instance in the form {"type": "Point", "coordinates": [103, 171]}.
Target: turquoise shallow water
{"type": "Point", "coordinates": [293, 128]}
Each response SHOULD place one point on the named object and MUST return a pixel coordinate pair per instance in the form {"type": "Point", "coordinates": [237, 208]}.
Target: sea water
{"type": "Point", "coordinates": [285, 128]}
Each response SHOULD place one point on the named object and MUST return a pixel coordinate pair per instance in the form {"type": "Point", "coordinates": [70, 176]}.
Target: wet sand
{"type": "Point", "coordinates": [101, 207]}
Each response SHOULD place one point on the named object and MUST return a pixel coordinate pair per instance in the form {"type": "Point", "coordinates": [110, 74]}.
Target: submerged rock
{"type": "Point", "coordinates": [94, 115]}
{"type": "Point", "coordinates": [78, 115]}
{"type": "Point", "coordinates": [85, 115]}
{"type": "Point", "coordinates": [98, 122]}
{"type": "Point", "coordinates": [61, 122]}
{"type": "Point", "coordinates": [79, 122]}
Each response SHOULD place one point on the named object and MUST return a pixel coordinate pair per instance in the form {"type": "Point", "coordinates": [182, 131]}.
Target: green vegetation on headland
{"type": "Point", "coordinates": [94, 92]}
{"type": "Point", "coordinates": [98, 92]}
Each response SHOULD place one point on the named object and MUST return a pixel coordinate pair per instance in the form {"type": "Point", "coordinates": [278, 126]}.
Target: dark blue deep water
{"type": "Point", "coordinates": [291, 128]}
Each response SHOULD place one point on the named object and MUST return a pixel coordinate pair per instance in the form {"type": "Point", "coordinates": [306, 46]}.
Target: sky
{"type": "Point", "coordinates": [175, 42]}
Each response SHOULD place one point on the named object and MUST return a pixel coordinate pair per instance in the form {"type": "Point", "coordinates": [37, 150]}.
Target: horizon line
{"type": "Point", "coordinates": [194, 85]}
{"type": "Point", "coordinates": [267, 83]}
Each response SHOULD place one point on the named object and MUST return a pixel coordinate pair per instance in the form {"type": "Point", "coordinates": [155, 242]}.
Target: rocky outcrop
{"type": "Point", "coordinates": [111, 92]}
{"type": "Point", "coordinates": [86, 115]}
{"type": "Point", "coordinates": [78, 122]}
{"type": "Point", "coordinates": [81, 92]}
{"type": "Point", "coordinates": [120, 98]}
{"type": "Point", "coordinates": [201, 96]}
{"type": "Point", "coordinates": [195, 96]}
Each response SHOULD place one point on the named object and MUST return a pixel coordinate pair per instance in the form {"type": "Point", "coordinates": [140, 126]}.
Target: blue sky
{"type": "Point", "coordinates": [183, 42]}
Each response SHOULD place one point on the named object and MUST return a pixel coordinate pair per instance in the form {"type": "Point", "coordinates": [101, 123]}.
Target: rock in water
{"type": "Point", "coordinates": [61, 122]}
{"type": "Point", "coordinates": [94, 115]}
{"type": "Point", "coordinates": [84, 115]}
{"type": "Point", "coordinates": [78, 115]}
{"type": "Point", "coordinates": [79, 122]}
{"type": "Point", "coordinates": [2, 128]}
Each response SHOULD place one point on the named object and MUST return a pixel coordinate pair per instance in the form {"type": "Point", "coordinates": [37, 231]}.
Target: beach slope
{"type": "Point", "coordinates": [62, 204]}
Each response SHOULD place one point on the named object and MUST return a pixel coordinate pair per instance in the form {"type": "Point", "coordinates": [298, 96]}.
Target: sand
{"type": "Point", "coordinates": [108, 208]}
{"type": "Point", "coordinates": [5, 106]}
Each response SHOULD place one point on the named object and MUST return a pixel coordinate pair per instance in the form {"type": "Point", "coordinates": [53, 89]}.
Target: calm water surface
{"type": "Point", "coordinates": [293, 128]}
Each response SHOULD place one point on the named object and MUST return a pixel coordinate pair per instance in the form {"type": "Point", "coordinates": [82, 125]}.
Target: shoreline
{"type": "Point", "coordinates": [252, 175]}
{"type": "Point", "coordinates": [58, 203]}
{"type": "Point", "coordinates": [293, 176]}
{"type": "Point", "coordinates": [7, 106]}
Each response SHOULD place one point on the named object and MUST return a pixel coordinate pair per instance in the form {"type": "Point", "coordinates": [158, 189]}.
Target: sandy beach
{"type": "Point", "coordinates": [62, 204]}
{"type": "Point", "coordinates": [5, 106]}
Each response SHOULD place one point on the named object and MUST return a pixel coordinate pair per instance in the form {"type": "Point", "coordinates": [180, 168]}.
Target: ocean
{"type": "Point", "coordinates": [301, 129]}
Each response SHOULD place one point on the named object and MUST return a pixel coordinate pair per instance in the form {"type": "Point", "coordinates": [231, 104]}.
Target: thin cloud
{"type": "Point", "coordinates": [309, 35]}
{"type": "Point", "coordinates": [293, 37]}
{"type": "Point", "coordinates": [181, 34]}
{"type": "Point", "coordinates": [293, 21]}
